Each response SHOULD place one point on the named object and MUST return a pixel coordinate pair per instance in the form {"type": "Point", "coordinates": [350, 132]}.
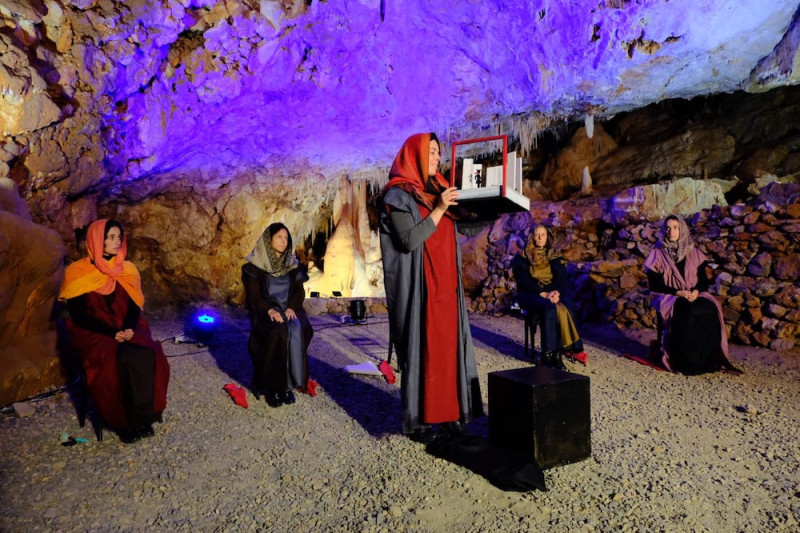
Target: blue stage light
{"type": "Point", "coordinates": [201, 327]}
{"type": "Point", "coordinates": [206, 319]}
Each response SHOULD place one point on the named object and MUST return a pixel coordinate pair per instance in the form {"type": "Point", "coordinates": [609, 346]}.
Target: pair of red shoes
{"type": "Point", "coordinates": [239, 394]}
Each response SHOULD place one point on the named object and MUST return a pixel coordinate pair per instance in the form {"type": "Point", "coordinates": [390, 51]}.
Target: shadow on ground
{"type": "Point", "coordinates": [500, 343]}
{"type": "Point", "coordinates": [369, 400]}
{"type": "Point", "coordinates": [609, 337]}
{"type": "Point", "coordinates": [229, 349]}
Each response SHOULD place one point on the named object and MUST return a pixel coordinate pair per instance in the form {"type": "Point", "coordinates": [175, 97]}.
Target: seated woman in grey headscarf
{"type": "Point", "coordinates": [694, 339]}
{"type": "Point", "coordinates": [280, 335]}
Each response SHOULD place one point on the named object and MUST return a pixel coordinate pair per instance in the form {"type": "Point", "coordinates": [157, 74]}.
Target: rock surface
{"type": "Point", "coordinates": [31, 267]}
{"type": "Point", "coordinates": [110, 102]}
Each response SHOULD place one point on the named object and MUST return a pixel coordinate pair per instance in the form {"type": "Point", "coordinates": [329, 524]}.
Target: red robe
{"type": "Point", "coordinates": [440, 352]}
{"type": "Point", "coordinates": [99, 354]}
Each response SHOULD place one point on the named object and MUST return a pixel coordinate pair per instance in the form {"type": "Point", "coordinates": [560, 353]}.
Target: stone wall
{"type": "Point", "coordinates": [753, 249]}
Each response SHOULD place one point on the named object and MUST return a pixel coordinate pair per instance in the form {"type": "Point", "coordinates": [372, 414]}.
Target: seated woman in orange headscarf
{"type": "Point", "coordinates": [126, 370]}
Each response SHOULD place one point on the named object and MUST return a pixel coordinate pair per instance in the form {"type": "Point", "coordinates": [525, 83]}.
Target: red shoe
{"type": "Point", "coordinates": [237, 393]}
{"type": "Point", "coordinates": [581, 357]}
{"type": "Point", "coordinates": [311, 387]}
{"type": "Point", "coordinates": [387, 371]}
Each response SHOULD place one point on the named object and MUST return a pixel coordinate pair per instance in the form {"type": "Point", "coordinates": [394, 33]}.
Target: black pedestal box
{"type": "Point", "coordinates": [543, 412]}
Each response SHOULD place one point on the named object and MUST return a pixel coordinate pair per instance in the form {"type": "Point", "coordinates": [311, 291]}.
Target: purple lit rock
{"type": "Point", "coordinates": [760, 265]}
{"type": "Point", "coordinates": [787, 267]}
{"type": "Point", "coordinates": [781, 345]}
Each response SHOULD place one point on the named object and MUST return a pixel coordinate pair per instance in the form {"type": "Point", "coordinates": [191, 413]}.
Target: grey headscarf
{"type": "Point", "coordinates": [267, 259]}
{"type": "Point", "coordinates": [677, 250]}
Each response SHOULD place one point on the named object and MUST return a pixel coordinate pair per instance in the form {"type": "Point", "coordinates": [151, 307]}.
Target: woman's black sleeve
{"type": "Point", "coordinates": [525, 282]}
{"type": "Point", "coordinates": [132, 315]}
{"type": "Point", "coordinates": [472, 228]}
{"type": "Point", "coordinates": [655, 282]}
{"type": "Point", "coordinates": [258, 299]}
{"type": "Point", "coordinates": [560, 278]}
{"type": "Point", "coordinates": [79, 313]}
{"type": "Point", "coordinates": [703, 283]}
{"type": "Point", "coordinates": [296, 291]}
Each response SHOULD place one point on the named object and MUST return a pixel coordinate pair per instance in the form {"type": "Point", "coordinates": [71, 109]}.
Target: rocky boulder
{"type": "Point", "coordinates": [685, 196]}
{"type": "Point", "coordinates": [31, 267]}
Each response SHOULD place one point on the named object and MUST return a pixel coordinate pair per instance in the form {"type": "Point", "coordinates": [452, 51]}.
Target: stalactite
{"type": "Point", "coordinates": [352, 258]}
{"type": "Point", "coordinates": [586, 181]}
{"type": "Point", "coordinates": [588, 122]}
{"type": "Point", "coordinates": [527, 128]}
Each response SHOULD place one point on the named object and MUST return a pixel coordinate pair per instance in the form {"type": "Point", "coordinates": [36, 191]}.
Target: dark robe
{"type": "Point", "coordinates": [128, 381]}
{"type": "Point", "coordinates": [694, 339]}
{"type": "Point", "coordinates": [528, 297]}
{"type": "Point", "coordinates": [406, 283]}
{"type": "Point", "coordinates": [271, 345]}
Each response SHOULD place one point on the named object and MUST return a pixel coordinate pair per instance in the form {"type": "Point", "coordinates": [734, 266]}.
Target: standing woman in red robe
{"type": "Point", "coordinates": [126, 370]}
{"type": "Point", "coordinates": [425, 296]}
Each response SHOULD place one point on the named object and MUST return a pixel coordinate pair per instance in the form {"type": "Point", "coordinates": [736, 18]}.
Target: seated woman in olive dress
{"type": "Point", "coordinates": [280, 330]}
{"type": "Point", "coordinates": [541, 289]}
{"type": "Point", "coordinates": [693, 335]}
{"type": "Point", "coordinates": [126, 371]}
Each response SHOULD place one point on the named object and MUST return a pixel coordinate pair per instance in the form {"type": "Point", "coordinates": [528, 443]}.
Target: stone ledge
{"type": "Point", "coordinates": [341, 306]}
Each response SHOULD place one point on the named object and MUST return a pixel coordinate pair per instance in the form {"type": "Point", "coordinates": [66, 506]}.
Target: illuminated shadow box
{"type": "Point", "coordinates": [542, 412]}
{"type": "Point", "coordinates": [488, 190]}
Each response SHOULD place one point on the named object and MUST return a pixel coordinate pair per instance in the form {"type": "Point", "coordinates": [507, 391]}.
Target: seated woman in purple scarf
{"type": "Point", "coordinates": [694, 339]}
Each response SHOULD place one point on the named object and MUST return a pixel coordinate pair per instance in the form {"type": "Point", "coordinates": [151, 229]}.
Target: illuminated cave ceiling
{"type": "Point", "coordinates": [95, 94]}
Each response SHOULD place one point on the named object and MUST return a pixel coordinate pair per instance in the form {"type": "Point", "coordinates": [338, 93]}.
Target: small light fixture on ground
{"type": "Point", "coordinates": [357, 314]}
{"type": "Point", "coordinates": [200, 328]}
{"type": "Point", "coordinates": [357, 310]}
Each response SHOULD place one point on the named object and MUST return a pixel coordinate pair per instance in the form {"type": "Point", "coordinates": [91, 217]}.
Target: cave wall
{"type": "Point", "coordinates": [729, 136]}
{"type": "Point", "coordinates": [31, 268]}
{"type": "Point", "coordinates": [197, 123]}
{"type": "Point", "coordinates": [189, 242]}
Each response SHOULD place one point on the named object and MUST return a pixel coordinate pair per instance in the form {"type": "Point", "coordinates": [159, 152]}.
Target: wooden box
{"type": "Point", "coordinates": [543, 412]}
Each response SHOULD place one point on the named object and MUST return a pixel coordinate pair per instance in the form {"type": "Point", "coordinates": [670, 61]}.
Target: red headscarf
{"type": "Point", "coordinates": [410, 170]}
{"type": "Point", "coordinates": [95, 274]}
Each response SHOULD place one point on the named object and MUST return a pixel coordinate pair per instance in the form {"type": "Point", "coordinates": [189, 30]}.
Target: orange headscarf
{"type": "Point", "coordinates": [410, 170]}
{"type": "Point", "coordinates": [95, 274]}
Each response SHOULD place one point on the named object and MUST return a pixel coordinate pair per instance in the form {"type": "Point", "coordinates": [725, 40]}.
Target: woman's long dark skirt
{"type": "Point", "coordinates": [136, 366]}
{"type": "Point", "coordinates": [695, 336]}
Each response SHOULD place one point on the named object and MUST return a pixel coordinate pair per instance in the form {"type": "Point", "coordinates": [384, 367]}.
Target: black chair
{"type": "Point", "coordinates": [655, 345]}
{"type": "Point", "coordinates": [86, 407]}
{"type": "Point", "coordinates": [531, 321]}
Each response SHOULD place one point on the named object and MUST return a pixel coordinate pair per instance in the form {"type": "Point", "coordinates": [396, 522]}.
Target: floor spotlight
{"type": "Point", "coordinates": [357, 310]}
{"type": "Point", "coordinates": [200, 328]}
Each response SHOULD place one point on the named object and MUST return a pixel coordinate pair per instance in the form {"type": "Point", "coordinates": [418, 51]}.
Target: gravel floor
{"type": "Point", "coordinates": [669, 453]}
